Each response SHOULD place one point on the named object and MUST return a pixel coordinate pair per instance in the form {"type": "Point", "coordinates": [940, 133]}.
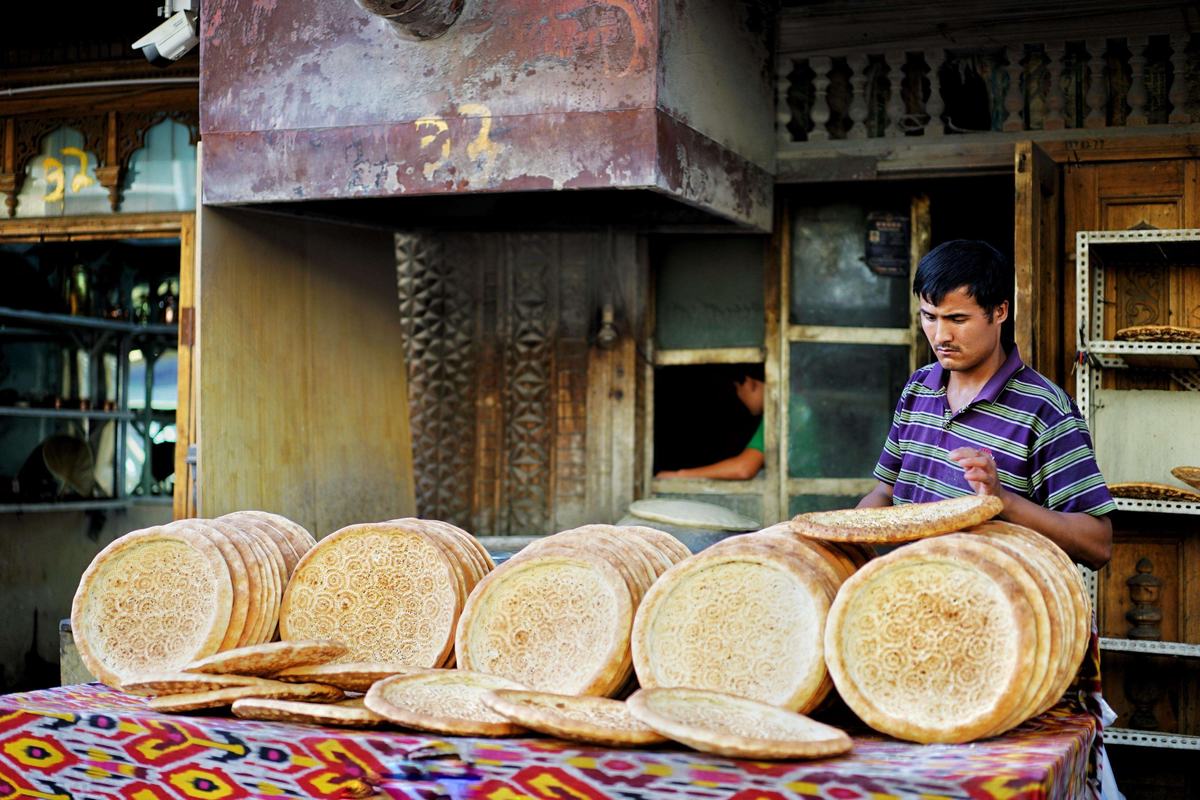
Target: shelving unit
{"type": "Point", "coordinates": [96, 336]}
{"type": "Point", "coordinates": [1097, 252]}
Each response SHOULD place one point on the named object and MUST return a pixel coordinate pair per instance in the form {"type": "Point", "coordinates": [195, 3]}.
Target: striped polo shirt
{"type": "Point", "coordinates": [1040, 441]}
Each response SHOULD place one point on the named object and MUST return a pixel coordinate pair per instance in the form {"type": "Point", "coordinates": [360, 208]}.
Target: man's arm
{"type": "Point", "coordinates": [743, 466]}
{"type": "Point", "coordinates": [879, 497]}
{"type": "Point", "coordinates": [1086, 539]}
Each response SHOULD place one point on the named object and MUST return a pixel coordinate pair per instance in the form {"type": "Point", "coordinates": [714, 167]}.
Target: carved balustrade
{"type": "Point", "coordinates": [1093, 83]}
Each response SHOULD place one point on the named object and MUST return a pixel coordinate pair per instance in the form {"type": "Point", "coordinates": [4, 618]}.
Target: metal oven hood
{"type": "Point", "coordinates": [519, 105]}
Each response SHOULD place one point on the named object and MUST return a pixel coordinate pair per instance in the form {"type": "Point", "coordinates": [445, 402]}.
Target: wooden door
{"type": "Point", "coordinates": [523, 416]}
{"type": "Point", "coordinates": [1035, 250]}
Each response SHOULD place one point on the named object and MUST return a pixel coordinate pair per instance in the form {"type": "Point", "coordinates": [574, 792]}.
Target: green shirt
{"type": "Point", "coordinates": [756, 441]}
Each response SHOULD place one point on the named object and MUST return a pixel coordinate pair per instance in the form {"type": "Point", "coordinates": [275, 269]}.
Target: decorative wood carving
{"type": "Point", "coordinates": [1178, 94]}
{"type": "Point", "coordinates": [783, 111]}
{"type": "Point", "coordinates": [1137, 96]}
{"type": "Point", "coordinates": [528, 360]}
{"type": "Point", "coordinates": [935, 106]}
{"type": "Point", "coordinates": [820, 108]}
{"type": "Point", "coordinates": [858, 100]}
{"type": "Point", "coordinates": [1145, 617]}
{"type": "Point", "coordinates": [1097, 92]}
{"type": "Point", "coordinates": [437, 312]}
{"type": "Point", "coordinates": [1014, 98]}
{"type": "Point", "coordinates": [1054, 120]}
{"type": "Point", "coordinates": [113, 137]}
{"type": "Point", "coordinates": [895, 103]}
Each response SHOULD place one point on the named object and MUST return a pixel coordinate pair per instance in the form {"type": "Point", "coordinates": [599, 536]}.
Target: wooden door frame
{"type": "Point", "coordinates": [160, 225]}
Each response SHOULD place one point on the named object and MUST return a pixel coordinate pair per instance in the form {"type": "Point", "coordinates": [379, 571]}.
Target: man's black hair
{"type": "Point", "coordinates": [739, 372]}
{"type": "Point", "coordinates": [981, 268]}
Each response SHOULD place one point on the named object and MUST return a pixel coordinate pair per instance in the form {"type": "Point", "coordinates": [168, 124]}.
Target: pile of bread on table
{"type": "Point", "coordinates": [603, 634]}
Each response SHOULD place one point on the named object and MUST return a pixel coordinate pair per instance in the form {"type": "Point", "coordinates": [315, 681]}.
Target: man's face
{"type": "Point", "coordinates": [959, 331]}
{"type": "Point", "coordinates": [750, 391]}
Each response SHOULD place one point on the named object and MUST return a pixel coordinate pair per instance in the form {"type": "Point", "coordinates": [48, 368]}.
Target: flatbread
{"type": "Point", "coordinates": [151, 601]}
{"type": "Point", "coordinates": [345, 714]}
{"type": "Point", "coordinates": [222, 697]}
{"type": "Point", "coordinates": [932, 646]}
{"type": "Point", "coordinates": [555, 622]}
{"type": "Point", "coordinates": [744, 619]}
{"type": "Point", "coordinates": [732, 726]}
{"type": "Point", "coordinates": [902, 523]}
{"type": "Point", "coordinates": [1145, 490]}
{"type": "Point", "coordinates": [386, 590]}
{"type": "Point", "coordinates": [594, 720]}
{"type": "Point", "coordinates": [267, 659]}
{"type": "Point", "coordinates": [355, 676]}
{"type": "Point", "coordinates": [1189, 475]}
{"type": "Point", "coordinates": [691, 514]}
{"type": "Point", "coordinates": [442, 701]}
{"type": "Point", "coordinates": [238, 576]}
{"type": "Point", "coordinates": [1158, 333]}
{"type": "Point", "coordinates": [183, 682]}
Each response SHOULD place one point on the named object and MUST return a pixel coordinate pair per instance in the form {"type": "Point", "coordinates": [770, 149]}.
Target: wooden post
{"type": "Point", "coordinates": [1137, 95]}
{"type": "Point", "coordinates": [1097, 93]}
{"type": "Point", "coordinates": [820, 108]}
{"type": "Point", "coordinates": [935, 105]}
{"type": "Point", "coordinates": [1178, 94]}
{"type": "Point", "coordinates": [783, 110]}
{"type": "Point", "coordinates": [895, 104]}
{"type": "Point", "coordinates": [858, 96]}
{"type": "Point", "coordinates": [1014, 99]}
{"type": "Point", "coordinates": [1054, 120]}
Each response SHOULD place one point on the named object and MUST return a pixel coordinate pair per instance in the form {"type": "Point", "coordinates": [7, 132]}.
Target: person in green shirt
{"type": "Point", "coordinates": [751, 389]}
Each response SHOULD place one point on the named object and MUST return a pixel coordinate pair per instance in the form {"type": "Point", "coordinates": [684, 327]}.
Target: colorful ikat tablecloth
{"type": "Point", "coordinates": [91, 742]}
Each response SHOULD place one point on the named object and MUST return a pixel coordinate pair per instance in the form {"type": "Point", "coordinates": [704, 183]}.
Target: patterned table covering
{"type": "Point", "coordinates": [88, 741]}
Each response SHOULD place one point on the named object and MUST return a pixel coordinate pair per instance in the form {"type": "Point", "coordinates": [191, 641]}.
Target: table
{"type": "Point", "coordinates": [89, 741]}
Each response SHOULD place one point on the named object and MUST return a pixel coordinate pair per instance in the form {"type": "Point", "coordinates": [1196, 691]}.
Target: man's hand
{"type": "Point", "coordinates": [979, 469]}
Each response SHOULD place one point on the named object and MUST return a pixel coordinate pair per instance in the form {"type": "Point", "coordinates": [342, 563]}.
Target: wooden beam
{"type": "Point", "coordinates": [834, 334]}
{"type": "Point", "coordinates": [974, 153]}
{"type": "Point", "coordinates": [77, 229]}
{"type": "Point", "coordinates": [711, 355]}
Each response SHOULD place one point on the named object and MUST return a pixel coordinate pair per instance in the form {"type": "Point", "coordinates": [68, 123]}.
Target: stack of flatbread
{"type": "Point", "coordinates": [746, 617]}
{"type": "Point", "coordinates": [289, 681]}
{"type": "Point", "coordinates": [557, 616]}
{"type": "Point", "coordinates": [391, 591]}
{"type": "Point", "coordinates": [959, 637]}
{"type": "Point", "coordinates": [156, 599]}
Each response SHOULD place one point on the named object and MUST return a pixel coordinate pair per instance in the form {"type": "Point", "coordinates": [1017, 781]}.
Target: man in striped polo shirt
{"type": "Point", "coordinates": [979, 420]}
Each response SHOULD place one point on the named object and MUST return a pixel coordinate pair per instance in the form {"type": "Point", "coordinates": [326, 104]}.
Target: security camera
{"type": "Point", "coordinates": [175, 37]}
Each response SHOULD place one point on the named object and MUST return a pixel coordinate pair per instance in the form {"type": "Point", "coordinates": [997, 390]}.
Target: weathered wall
{"type": "Point", "coordinates": [41, 558]}
{"type": "Point", "coordinates": [317, 100]}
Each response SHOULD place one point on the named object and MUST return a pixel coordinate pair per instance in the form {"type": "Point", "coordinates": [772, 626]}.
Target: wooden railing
{"type": "Point", "coordinates": [1054, 85]}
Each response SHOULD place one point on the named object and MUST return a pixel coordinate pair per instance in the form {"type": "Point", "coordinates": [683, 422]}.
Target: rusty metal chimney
{"type": "Point", "coordinates": [416, 20]}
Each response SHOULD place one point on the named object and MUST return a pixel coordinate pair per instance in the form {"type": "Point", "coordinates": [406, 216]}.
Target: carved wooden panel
{"type": "Point", "coordinates": [529, 332]}
{"type": "Point", "coordinates": [437, 313]}
{"type": "Point", "coordinates": [499, 377]}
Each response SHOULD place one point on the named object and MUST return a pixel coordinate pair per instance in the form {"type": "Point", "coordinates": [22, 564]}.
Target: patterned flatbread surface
{"type": "Point", "coordinates": [595, 720]}
{"type": "Point", "coordinates": [734, 726]}
{"type": "Point", "coordinates": [903, 523]}
{"type": "Point", "coordinates": [265, 659]}
{"type": "Point", "coordinates": [1158, 333]}
{"type": "Point", "coordinates": [1146, 490]}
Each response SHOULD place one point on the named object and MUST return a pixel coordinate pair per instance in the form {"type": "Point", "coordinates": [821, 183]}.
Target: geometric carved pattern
{"type": "Point", "coordinates": [437, 311]}
{"type": "Point", "coordinates": [528, 342]}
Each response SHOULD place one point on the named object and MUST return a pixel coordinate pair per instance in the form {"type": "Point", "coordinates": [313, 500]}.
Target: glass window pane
{"type": "Point", "coordinates": [840, 406]}
{"type": "Point", "coordinates": [709, 292]}
{"type": "Point", "coordinates": [831, 284]}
